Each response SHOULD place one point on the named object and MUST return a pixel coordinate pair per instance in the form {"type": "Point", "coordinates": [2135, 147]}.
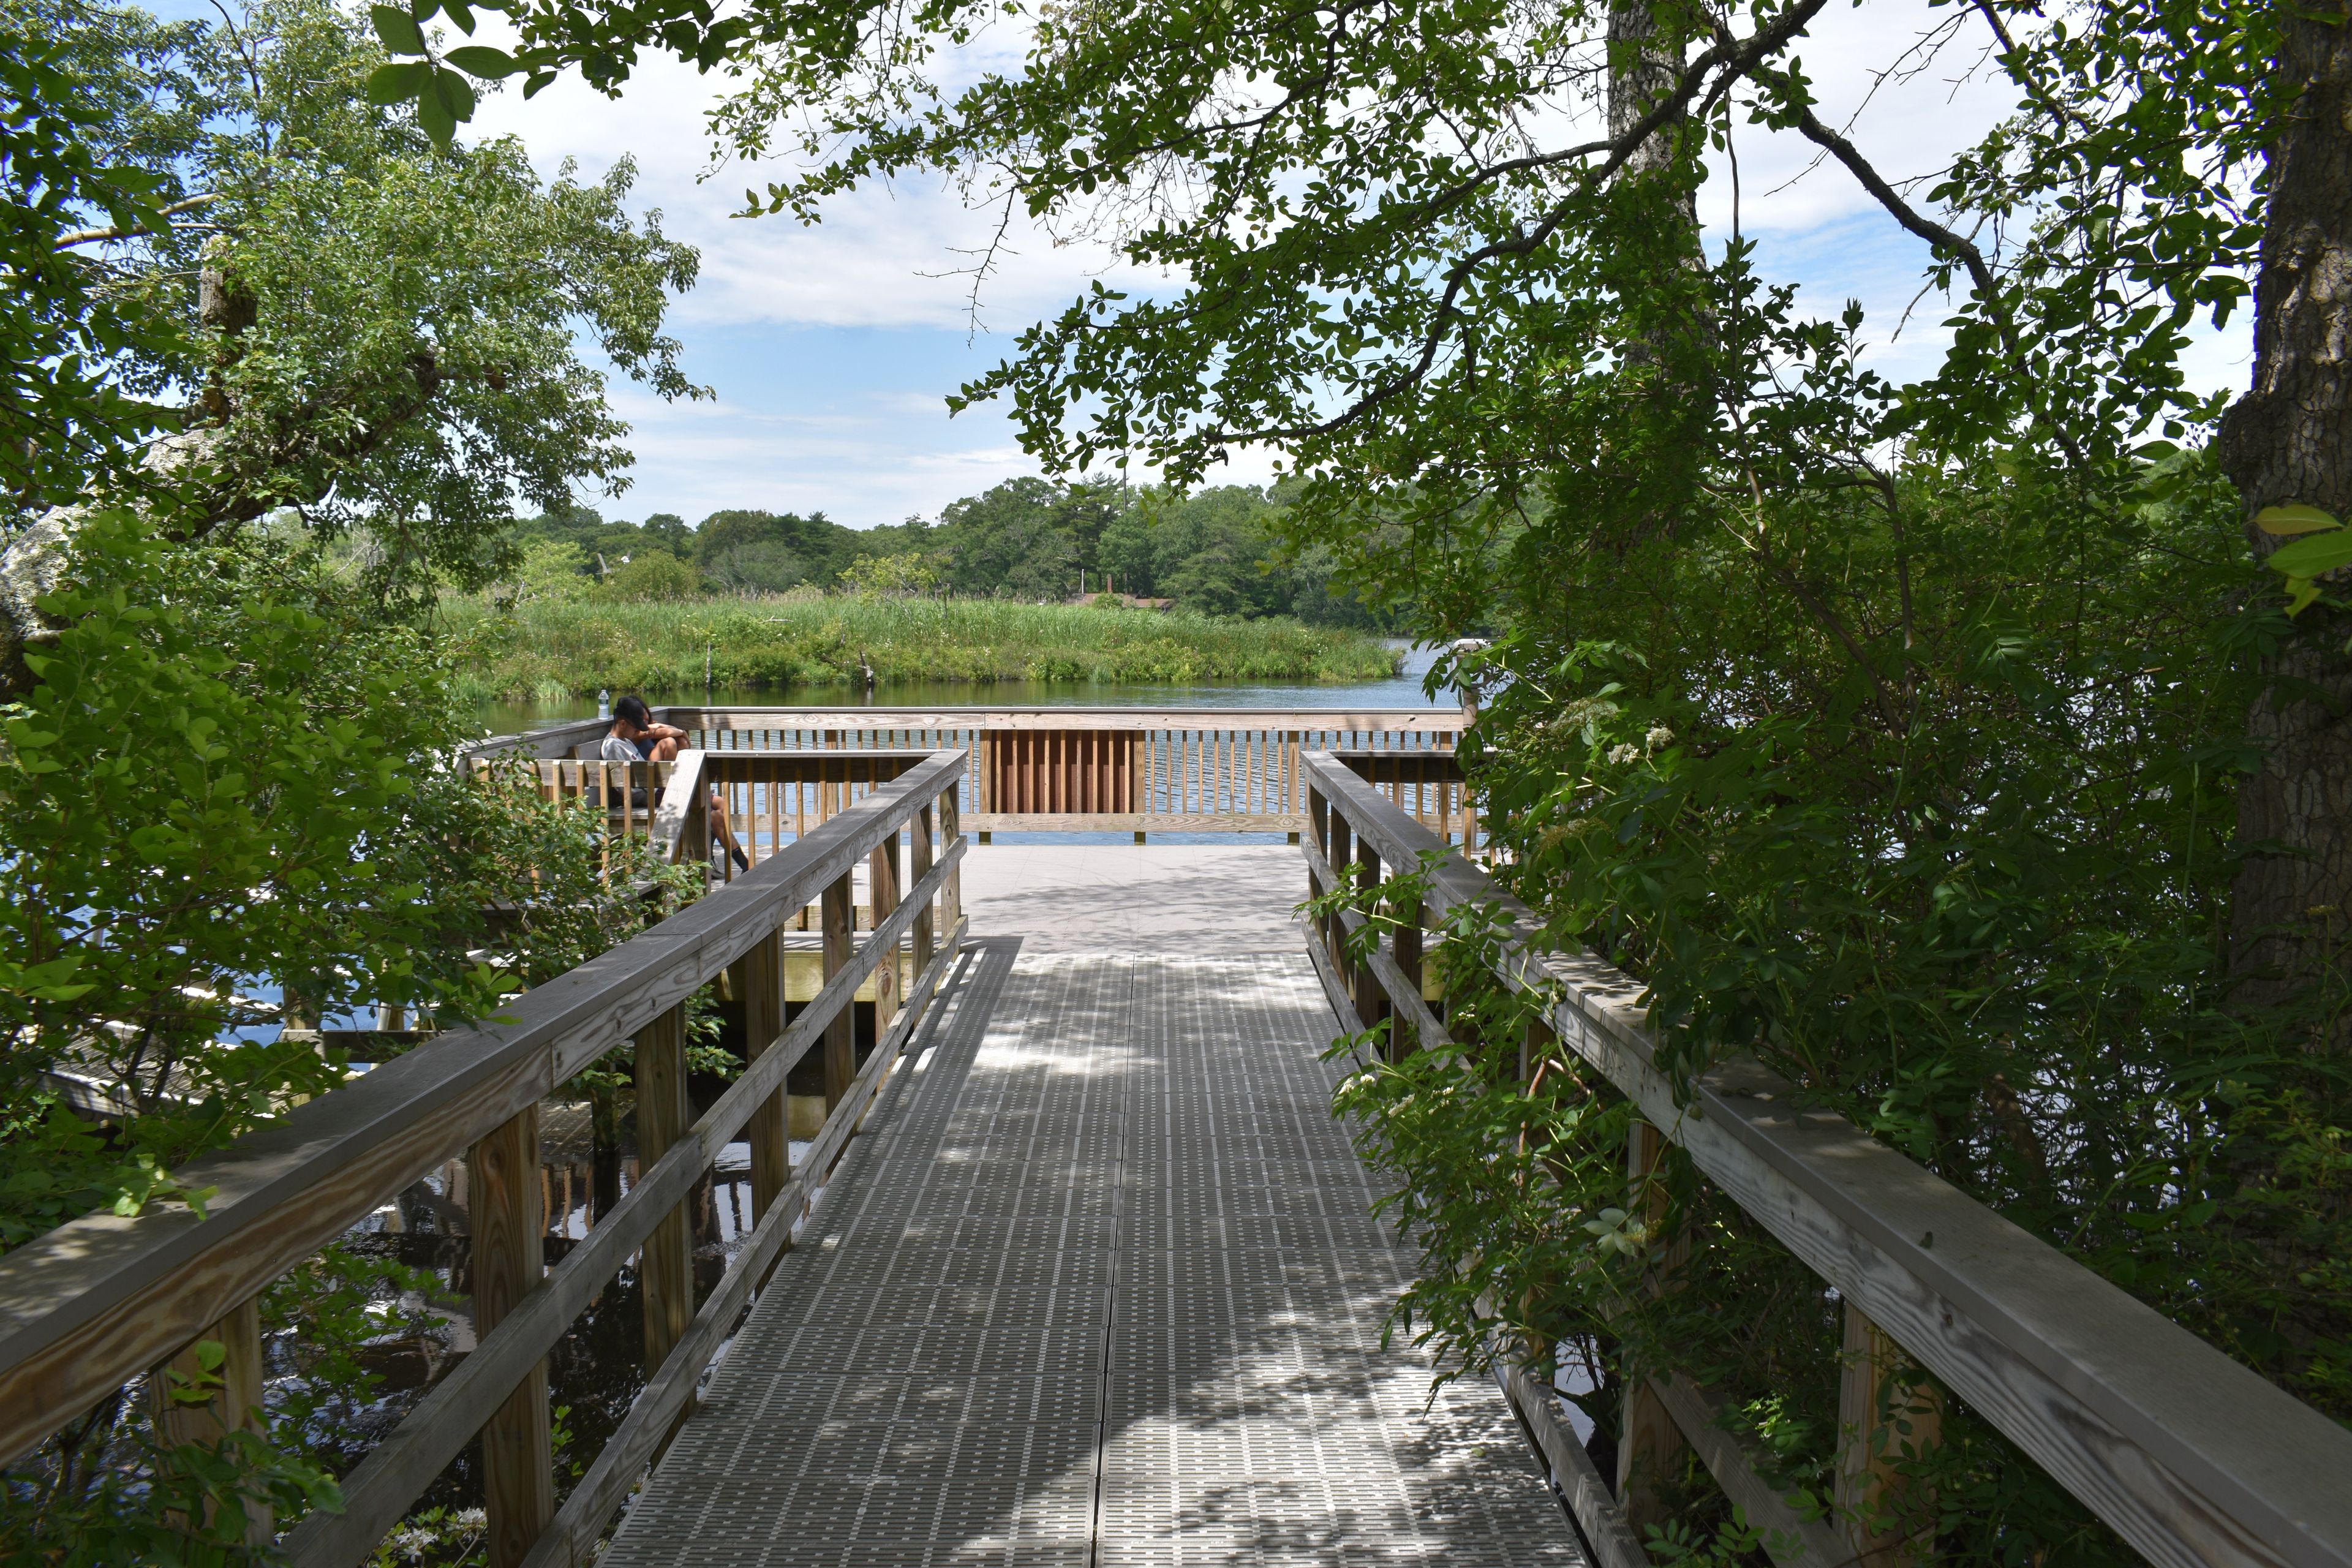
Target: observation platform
{"type": "Point", "coordinates": [1097, 1283]}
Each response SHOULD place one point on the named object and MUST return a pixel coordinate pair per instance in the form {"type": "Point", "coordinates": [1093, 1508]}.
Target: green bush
{"type": "Point", "coordinates": [655, 577]}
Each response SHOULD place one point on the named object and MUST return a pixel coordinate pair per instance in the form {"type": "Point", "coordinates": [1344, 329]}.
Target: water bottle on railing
{"type": "Point", "coordinates": [604, 704]}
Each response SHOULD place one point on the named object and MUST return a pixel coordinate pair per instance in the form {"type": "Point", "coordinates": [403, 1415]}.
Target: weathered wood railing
{"type": "Point", "coordinates": [2189, 1455]}
{"type": "Point", "coordinates": [98, 1301]}
{"type": "Point", "coordinates": [772, 797]}
{"type": "Point", "coordinates": [1140, 770]}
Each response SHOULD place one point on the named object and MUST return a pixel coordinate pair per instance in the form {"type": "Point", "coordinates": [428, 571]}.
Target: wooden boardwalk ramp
{"type": "Point", "coordinates": [1100, 1285]}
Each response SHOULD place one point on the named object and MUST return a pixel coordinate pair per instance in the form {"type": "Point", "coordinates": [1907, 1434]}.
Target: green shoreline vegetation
{"type": "Point", "coordinates": [551, 649]}
{"type": "Point", "coordinates": [1004, 585]}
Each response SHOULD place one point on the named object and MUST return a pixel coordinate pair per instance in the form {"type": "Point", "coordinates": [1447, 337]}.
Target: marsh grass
{"type": "Point", "coordinates": [545, 649]}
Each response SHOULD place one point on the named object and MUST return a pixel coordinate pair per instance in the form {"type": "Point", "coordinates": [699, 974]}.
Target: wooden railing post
{"type": "Point", "coordinates": [1649, 1444]}
{"type": "Point", "coordinates": [926, 937]}
{"type": "Point", "coordinates": [234, 1398]}
{"type": "Point", "coordinates": [758, 979]}
{"type": "Point", "coordinates": [839, 920]}
{"type": "Point", "coordinates": [508, 1223]}
{"type": "Point", "coordinates": [882, 875]}
{"type": "Point", "coordinates": [1885, 1406]}
{"type": "Point", "coordinates": [665, 1267]}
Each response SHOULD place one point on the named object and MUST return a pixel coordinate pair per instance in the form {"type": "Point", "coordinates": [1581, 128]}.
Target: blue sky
{"type": "Point", "coordinates": [831, 349]}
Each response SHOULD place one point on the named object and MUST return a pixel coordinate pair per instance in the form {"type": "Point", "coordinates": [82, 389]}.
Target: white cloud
{"type": "Point", "coordinates": [883, 257]}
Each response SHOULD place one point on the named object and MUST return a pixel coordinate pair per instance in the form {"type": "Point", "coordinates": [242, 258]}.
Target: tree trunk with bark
{"type": "Point", "coordinates": [2289, 440]}
{"type": "Point", "coordinates": [1642, 64]}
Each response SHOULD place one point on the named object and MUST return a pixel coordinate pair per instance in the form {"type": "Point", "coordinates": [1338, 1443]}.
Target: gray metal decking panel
{"type": "Point", "coordinates": [1101, 1286]}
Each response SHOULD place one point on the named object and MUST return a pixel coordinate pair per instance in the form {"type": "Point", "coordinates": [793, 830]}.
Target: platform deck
{"type": "Point", "coordinates": [1100, 1287]}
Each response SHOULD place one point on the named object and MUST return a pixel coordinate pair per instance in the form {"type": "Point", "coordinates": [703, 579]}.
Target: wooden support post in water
{"type": "Point", "coordinates": [758, 979]}
{"type": "Point", "coordinates": [883, 873]}
{"type": "Point", "coordinates": [841, 1031]}
{"type": "Point", "coordinates": [508, 1222]}
{"type": "Point", "coordinates": [665, 1267]}
{"type": "Point", "coordinates": [1887, 1411]}
{"type": "Point", "coordinates": [1650, 1445]}
{"type": "Point", "coordinates": [234, 1390]}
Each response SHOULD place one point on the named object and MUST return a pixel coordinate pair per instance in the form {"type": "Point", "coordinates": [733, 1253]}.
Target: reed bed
{"type": "Point", "coordinates": [550, 649]}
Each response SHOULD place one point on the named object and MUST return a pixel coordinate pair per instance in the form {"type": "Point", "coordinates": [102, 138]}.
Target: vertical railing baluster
{"type": "Point", "coordinates": [1405, 946]}
{"type": "Point", "coordinates": [1339, 852]}
{"type": "Point", "coordinates": [1885, 1406]}
{"type": "Point", "coordinates": [1289, 765]}
{"type": "Point", "coordinates": [839, 919]}
{"type": "Point", "coordinates": [1650, 1445]}
{"type": "Point", "coordinates": [666, 1266]}
{"type": "Point", "coordinates": [1318, 824]}
{"type": "Point", "coordinates": [951, 829]}
{"type": "Point", "coordinates": [1536, 1042]}
{"type": "Point", "coordinates": [1371, 1001]}
{"type": "Point", "coordinates": [235, 1401]}
{"type": "Point", "coordinates": [508, 1222]}
{"type": "Point", "coordinates": [919, 867]}
{"type": "Point", "coordinates": [759, 980]}
{"type": "Point", "coordinates": [882, 875]}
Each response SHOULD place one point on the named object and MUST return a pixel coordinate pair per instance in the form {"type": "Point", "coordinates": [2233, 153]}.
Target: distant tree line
{"type": "Point", "coordinates": [1029, 539]}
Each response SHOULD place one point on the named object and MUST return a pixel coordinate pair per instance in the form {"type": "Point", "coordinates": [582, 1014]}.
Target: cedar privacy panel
{"type": "Point", "coordinates": [1060, 771]}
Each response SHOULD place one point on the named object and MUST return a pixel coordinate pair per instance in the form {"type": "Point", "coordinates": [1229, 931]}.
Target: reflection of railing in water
{"type": "Point", "coordinates": [2189, 1455]}
{"type": "Point", "coordinates": [101, 1300]}
{"type": "Point", "coordinates": [1139, 769]}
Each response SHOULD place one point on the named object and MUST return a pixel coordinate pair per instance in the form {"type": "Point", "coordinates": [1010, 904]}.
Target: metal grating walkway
{"type": "Point", "coordinates": [1100, 1285]}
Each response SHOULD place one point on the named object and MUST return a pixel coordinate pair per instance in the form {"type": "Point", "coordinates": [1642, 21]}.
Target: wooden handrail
{"type": "Point", "coordinates": [1400, 721]}
{"type": "Point", "coordinates": [2191, 1456]}
{"type": "Point", "coordinates": [400, 1466]}
{"type": "Point", "coordinates": [564, 740]}
{"type": "Point", "coordinates": [1076, 769]}
{"type": "Point", "coordinates": [103, 1299]}
{"type": "Point", "coordinates": [670, 1391]}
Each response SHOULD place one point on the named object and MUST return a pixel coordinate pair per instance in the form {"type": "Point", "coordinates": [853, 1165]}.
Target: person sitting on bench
{"type": "Point", "coordinates": [636, 737]}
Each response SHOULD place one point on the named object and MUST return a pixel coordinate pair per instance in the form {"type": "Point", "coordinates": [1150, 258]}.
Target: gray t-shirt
{"type": "Point", "coordinates": [617, 750]}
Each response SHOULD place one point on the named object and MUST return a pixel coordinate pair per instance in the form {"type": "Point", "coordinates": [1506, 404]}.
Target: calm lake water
{"type": "Point", "coordinates": [1404, 691]}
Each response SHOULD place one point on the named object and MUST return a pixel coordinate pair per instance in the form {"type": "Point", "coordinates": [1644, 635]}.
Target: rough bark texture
{"type": "Point", "coordinates": [1642, 68]}
{"type": "Point", "coordinates": [2290, 440]}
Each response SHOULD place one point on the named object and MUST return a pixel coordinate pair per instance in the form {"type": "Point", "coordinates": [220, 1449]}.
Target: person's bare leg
{"type": "Point", "coordinates": [664, 751]}
{"type": "Point", "coordinates": [726, 834]}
